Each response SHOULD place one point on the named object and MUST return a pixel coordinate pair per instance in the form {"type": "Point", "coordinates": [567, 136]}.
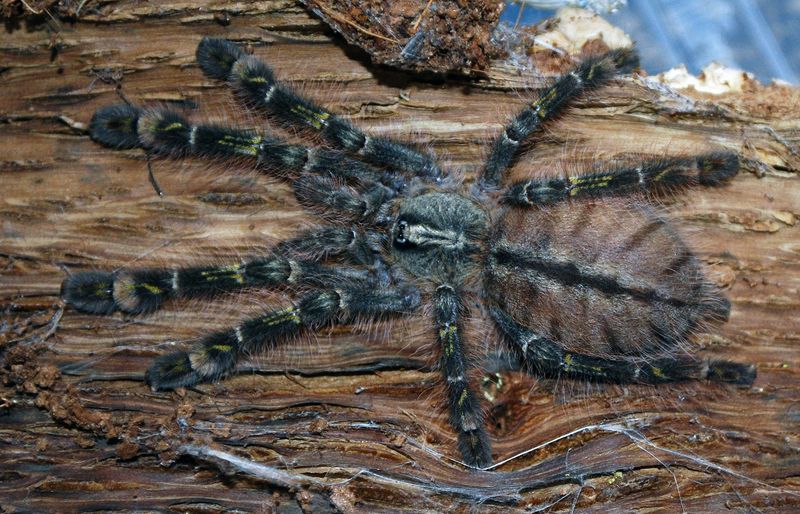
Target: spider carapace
{"type": "Point", "coordinates": [580, 275]}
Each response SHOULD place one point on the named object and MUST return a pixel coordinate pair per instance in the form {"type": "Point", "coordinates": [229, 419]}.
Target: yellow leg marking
{"type": "Point", "coordinates": [541, 105]}
{"type": "Point", "coordinates": [662, 174]}
{"type": "Point", "coordinates": [254, 79]}
{"type": "Point", "coordinates": [151, 288]}
{"type": "Point", "coordinates": [243, 146]}
{"type": "Point", "coordinates": [568, 362]}
{"type": "Point", "coordinates": [592, 71]}
{"type": "Point", "coordinates": [221, 347]}
{"type": "Point", "coordinates": [151, 125]}
{"type": "Point", "coordinates": [582, 183]}
{"type": "Point", "coordinates": [447, 336]}
{"type": "Point", "coordinates": [172, 126]}
{"type": "Point", "coordinates": [463, 397]}
{"type": "Point", "coordinates": [594, 181]}
{"type": "Point", "coordinates": [232, 272]}
{"type": "Point", "coordinates": [282, 316]}
{"type": "Point", "coordinates": [316, 119]}
{"type": "Point", "coordinates": [658, 372]}
{"type": "Point", "coordinates": [570, 365]}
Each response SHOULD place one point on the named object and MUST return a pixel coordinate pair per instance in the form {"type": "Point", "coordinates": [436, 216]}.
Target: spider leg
{"type": "Point", "coordinates": [145, 290]}
{"type": "Point", "coordinates": [217, 354]}
{"type": "Point", "coordinates": [466, 416]}
{"type": "Point", "coordinates": [548, 358]}
{"type": "Point", "coordinates": [167, 132]}
{"type": "Point", "coordinates": [356, 245]}
{"type": "Point", "coordinates": [368, 203]}
{"type": "Point", "coordinates": [255, 81]}
{"type": "Point", "coordinates": [590, 74]}
{"type": "Point", "coordinates": [712, 169]}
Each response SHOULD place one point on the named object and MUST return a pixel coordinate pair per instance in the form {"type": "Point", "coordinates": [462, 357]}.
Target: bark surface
{"type": "Point", "coordinates": [353, 419]}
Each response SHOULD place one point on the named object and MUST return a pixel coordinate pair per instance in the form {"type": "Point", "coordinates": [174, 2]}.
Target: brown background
{"type": "Point", "coordinates": [357, 411]}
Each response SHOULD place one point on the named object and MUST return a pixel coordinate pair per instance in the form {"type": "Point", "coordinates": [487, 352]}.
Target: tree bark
{"type": "Point", "coordinates": [353, 419]}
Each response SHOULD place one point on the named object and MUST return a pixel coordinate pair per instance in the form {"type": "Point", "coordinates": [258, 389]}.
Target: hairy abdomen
{"type": "Point", "coordinates": [599, 277]}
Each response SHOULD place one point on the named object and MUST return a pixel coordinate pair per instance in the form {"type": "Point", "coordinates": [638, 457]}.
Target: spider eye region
{"type": "Point", "coordinates": [400, 232]}
{"type": "Point", "coordinates": [437, 235]}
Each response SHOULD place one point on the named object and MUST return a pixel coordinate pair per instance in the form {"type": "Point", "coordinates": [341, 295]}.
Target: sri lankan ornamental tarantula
{"type": "Point", "coordinates": [575, 291]}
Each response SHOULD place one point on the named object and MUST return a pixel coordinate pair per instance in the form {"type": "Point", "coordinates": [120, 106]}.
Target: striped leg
{"type": "Point", "coordinates": [466, 416]}
{"type": "Point", "coordinates": [548, 358]}
{"type": "Point", "coordinates": [342, 203]}
{"type": "Point", "coordinates": [255, 81]}
{"type": "Point", "coordinates": [711, 169]}
{"type": "Point", "coordinates": [166, 132]}
{"type": "Point", "coordinates": [590, 74]}
{"type": "Point", "coordinates": [145, 290]}
{"type": "Point", "coordinates": [216, 355]}
{"type": "Point", "coordinates": [354, 244]}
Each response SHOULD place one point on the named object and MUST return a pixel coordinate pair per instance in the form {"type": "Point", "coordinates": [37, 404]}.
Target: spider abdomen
{"type": "Point", "coordinates": [599, 278]}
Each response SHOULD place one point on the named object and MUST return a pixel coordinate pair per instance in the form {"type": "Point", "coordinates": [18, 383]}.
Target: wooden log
{"type": "Point", "coordinates": [353, 419]}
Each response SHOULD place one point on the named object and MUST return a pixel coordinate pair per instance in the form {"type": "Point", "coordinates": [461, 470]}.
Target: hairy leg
{"type": "Point", "coordinates": [216, 355]}
{"type": "Point", "coordinates": [466, 416]}
{"type": "Point", "coordinates": [660, 176]}
{"type": "Point", "coordinates": [590, 74]}
{"type": "Point", "coordinates": [548, 358]}
{"type": "Point", "coordinates": [256, 83]}
{"type": "Point", "coordinates": [145, 290]}
{"type": "Point", "coordinates": [166, 132]}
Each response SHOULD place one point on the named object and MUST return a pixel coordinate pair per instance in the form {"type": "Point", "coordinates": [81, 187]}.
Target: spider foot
{"type": "Point", "coordinates": [115, 126]}
{"type": "Point", "coordinates": [171, 371]}
{"type": "Point", "coordinates": [475, 448]}
{"type": "Point", "coordinates": [90, 292]}
{"type": "Point", "coordinates": [714, 169]}
{"type": "Point", "coordinates": [137, 292]}
{"type": "Point", "coordinates": [625, 60]}
{"type": "Point", "coordinates": [731, 372]}
{"type": "Point", "coordinates": [217, 56]}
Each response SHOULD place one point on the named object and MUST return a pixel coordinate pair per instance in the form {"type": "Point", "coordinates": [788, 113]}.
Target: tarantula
{"type": "Point", "coordinates": [574, 290]}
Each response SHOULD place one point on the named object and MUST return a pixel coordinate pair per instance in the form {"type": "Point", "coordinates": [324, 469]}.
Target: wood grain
{"type": "Point", "coordinates": [355, 417]}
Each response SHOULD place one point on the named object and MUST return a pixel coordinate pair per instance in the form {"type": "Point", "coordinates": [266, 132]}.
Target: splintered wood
{"type": "Point", "coordinates": [353, 419]}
